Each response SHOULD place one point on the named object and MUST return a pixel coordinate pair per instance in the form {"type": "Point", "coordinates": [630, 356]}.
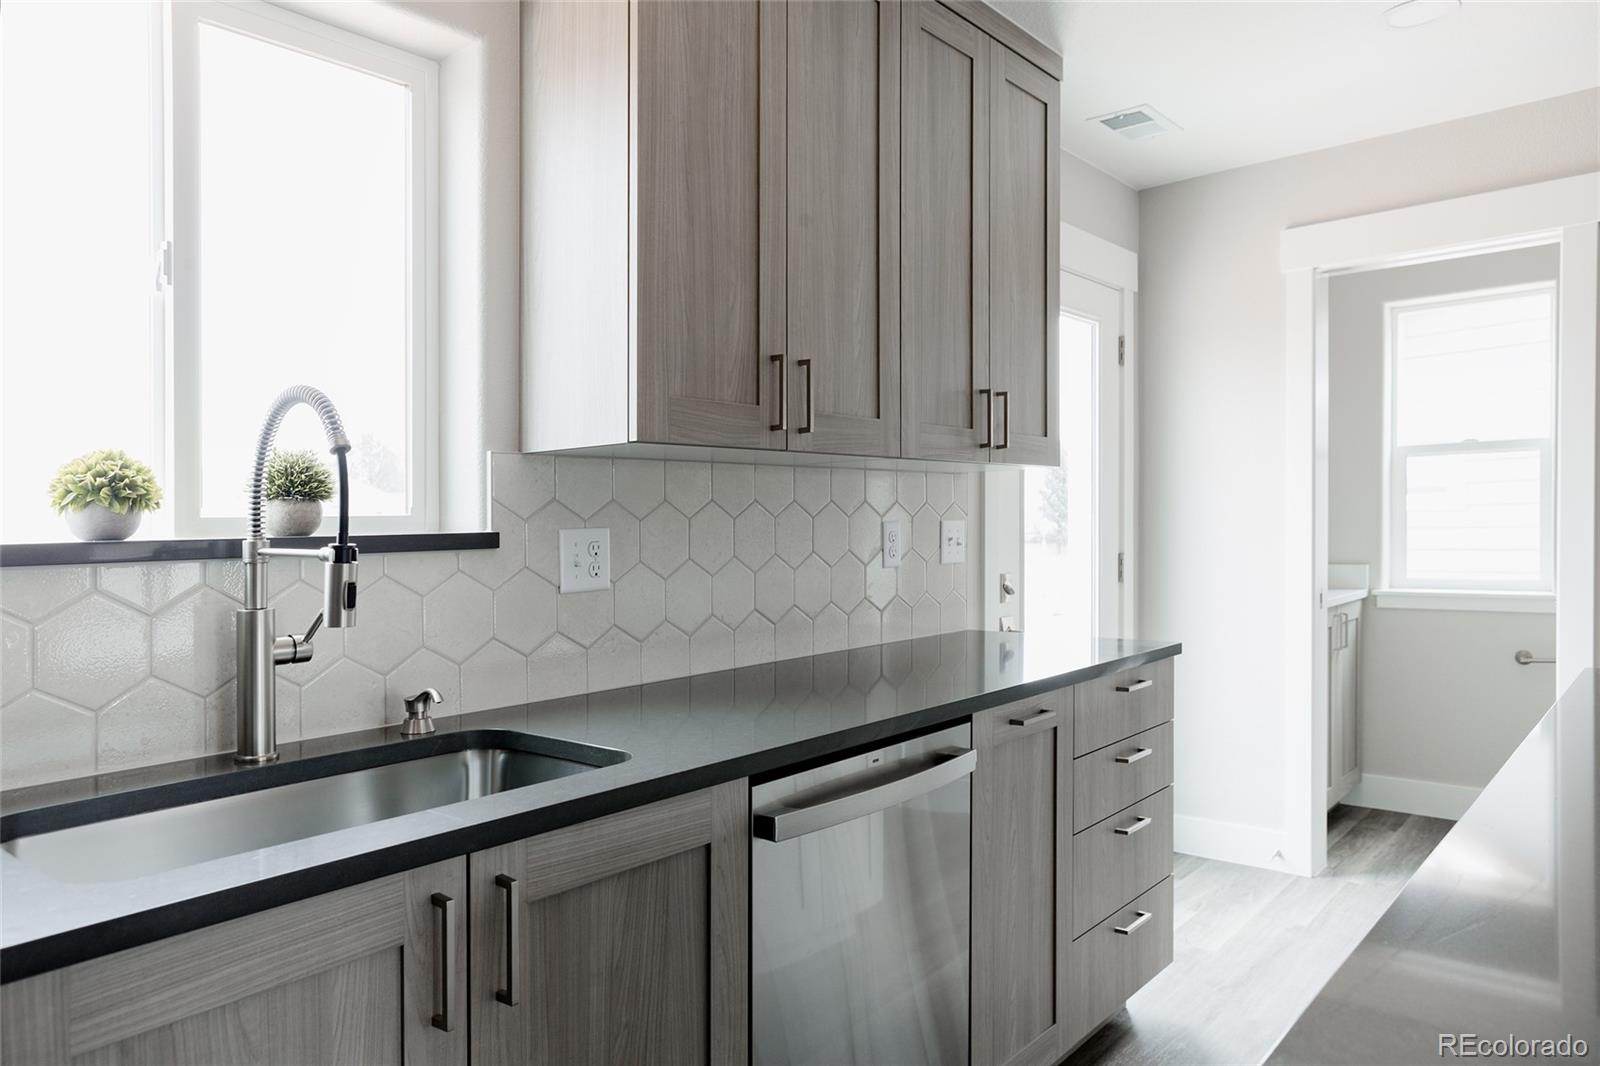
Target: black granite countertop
{"type": "Point", "coordinates": [1493, 942]}
{"type": "Point", "coordinates": [682, 735]}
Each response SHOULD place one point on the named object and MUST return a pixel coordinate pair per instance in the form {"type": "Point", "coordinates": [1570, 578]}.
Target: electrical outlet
{"type": "Point", "coordinates": [893, 542]}
{"type": "Point", "coordinates": [953, 540]}
{"type": "Point", "coordinates": [585, 556]}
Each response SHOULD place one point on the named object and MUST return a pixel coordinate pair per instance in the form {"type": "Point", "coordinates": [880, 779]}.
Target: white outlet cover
{"type": "Point", "coordinates": [894, 542]}
{"type": "Point", "coordinates": [953, 540]}
{"type": "Point", "coordinates": [585, 556]}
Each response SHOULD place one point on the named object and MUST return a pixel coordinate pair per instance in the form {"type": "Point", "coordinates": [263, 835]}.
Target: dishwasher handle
{"type": "Point", "coordinates": [782, 822]}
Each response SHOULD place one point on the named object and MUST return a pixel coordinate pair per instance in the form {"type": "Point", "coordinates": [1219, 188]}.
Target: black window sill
{"type": "Point", "coordinates": [95, 553]}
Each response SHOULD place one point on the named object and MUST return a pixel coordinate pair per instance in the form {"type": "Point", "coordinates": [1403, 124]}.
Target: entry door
{"type": "Point", "coordinates": [1072, 513]}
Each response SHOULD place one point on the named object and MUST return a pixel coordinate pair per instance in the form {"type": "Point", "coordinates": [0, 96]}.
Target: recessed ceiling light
{"type": "Point", "coordinates": [1409, 13]}
{"type": "Point", "coordinates": [1136, 123]}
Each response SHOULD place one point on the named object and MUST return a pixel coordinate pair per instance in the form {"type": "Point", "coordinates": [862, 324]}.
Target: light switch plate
{"type": "Point", "coordinates": [585, 556]}
{"type": "Point", "coordinates": [953, 540]}
{"type": "Point", "coordinates": [893, 543]}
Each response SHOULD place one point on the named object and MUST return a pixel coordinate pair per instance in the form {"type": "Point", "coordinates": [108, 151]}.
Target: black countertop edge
{"type": "Point", "coordinates": [33, 957]}
{"type": "Point", "coordinates": [104, 552]}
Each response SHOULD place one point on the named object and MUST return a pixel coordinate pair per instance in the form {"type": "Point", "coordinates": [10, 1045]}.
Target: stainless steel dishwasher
{"type": "Point", "coordinates": [860, 884]}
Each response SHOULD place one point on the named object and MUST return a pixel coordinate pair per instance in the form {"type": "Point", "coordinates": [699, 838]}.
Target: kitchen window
{"type": "Point", "coordinates": [1471, 475]}
{"type": "Point", "coordinates": [253, 208]}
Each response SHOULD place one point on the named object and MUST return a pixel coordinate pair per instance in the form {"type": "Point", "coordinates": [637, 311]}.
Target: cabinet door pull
{"type": "Point", "coordinates": [988, 421]}
{"type": "Point", "coordinates": [1004, 395]}
{"type": "Point", "coordinates": [1143, 682]}
{"type": "Point", "coordinates": [805, 364]}
{"type": "Point", "coordinates": [1039, 717]}
{"type": "Point", "coordinates": [783, 395]}
{"type": "Point", "coordinates": [1143, 916]}
{"type": "Point", "coordinates": [1132, 827]}
{"type": "Point", "coordinates": [444, 963]}
{"type": "Point", "coordinates": [1135, 756]}
{"type": "Point", "coordinates": [513, 890]}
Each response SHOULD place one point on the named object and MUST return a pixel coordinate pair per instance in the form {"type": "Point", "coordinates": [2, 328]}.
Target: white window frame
{"type": "Point", "coordinates": [1394, 526]}
{"type": "Point", "coordinates": [288, 29]}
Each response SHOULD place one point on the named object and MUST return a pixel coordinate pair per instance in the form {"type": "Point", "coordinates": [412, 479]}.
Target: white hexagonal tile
{"type": "Point", "coordinates": [941, 489]}
{"type": "Point", "coordinates": [755, 641]}
{"type": "Point", "coordinates": [151, 586]}
{"type": "Point", "coordinates": [866, 533]}
{"type": "Point", "coordinates": [583, 483]}
{"type": "Point", "coordinates": [925, 534]}
{"type": "Point", "coordinates": [493, 567]}
{"type": "Point", "coordinates": [963, 490]}
{"type": "Point", "coordinates": [93, 650]}
{"type": "Point", "coordinates": [925, 618]}
{"type": "Point", "coordinates": [754, 536]}
{"type": "Point", "coordinates": [830, 533]}
{"type": "Point", "coordinates": [711, 538]}
{"type": "Point", "coordinates": [813, 585]}
{"type": "Point", "coordinates": [880, 490]}
{"type": "Point", "coordinates": [953, 614]}
{"type": "Point", "coordinates": [559, 668]}
{"type": "Point", "coordinates": [388, 627]}
{"type": "Point", "coordinates": [457, 618]}
{"type": "Point", "coordinates": [345, 698]}
{"type": "Point", "coordinates": [711, 647]}
{"type": "Point", "coordinates": [830, 630]}
{"type": "Point", "coordinates": [733, 486]}
{"type": "Point", "coordinates": [688, 597]}
{"type": "Point", "coordinates": [664, 654]}
{"type": "Point", "coordinates": [774, 487]}
{"type": "Point", "coordinates": [32, 592]}
{"type": "Point", "coordinates": [297, 606]}
{"type": "Point", "coordinates": [624, 536]}
{"type": "Point", "coordinates": [774, 589]}
{"type": "Point", "coordinates": [525, 611]}
{"type": "Point", "coordinates": [524, 483]}
{"type": "Point", "coordinates": [912, 491]}
{"type": "Point", "coordinates": [46, 740]}
{"type": "Point", "coordinates": [847, 584]}
{"type": "Point", "coordinates": [16, 659]}
{"type": "Point", "coordinates": [613, 661]}
{"type": "Point", "coordinates": [154, 723]}
{"type": "Point", "coordinates": [494, 676]}
{"type": "Point", "coordinates": [913, 578]}
{"type": "Point", "coordinates": [543, 547]}
{"type": "Point", "coordinates": [794, 534]}
{"type": "Point", "coordinates": [425, 669]}
{"type": "Point", "coordinates": [583, 616]}
{"type": "Point", "coordinates": [794, 635]}
{"type": "Point", "coordinates": [849, 488]}
{"type": "Point", "coordinates": [941, 580]}
{"type": "Point", "coordinates": [641, 598]}
{"type": "Point", "coordinates": [733, 593]}
{"type": "Point", "coordinates": [882, 583]}
{"type": "Point", "coordinates": [422, 572]}
{"type": "Point", "coordinates": [688, 486]}
{"type": "Point", "coordinates": [639, 484]}
{"type": "Point", "coordinates": [227, 575]}
{"type": "Point", "coordinates": [813, 487]}
{"type": "Point", "coordinates": [222, 716]}
{"type": "Point", "coordinates": [664, 539]}
{"type": "Point", "coordinates": [955, 511]}
{"type": "Point", "coordinates": [866, 625]}
{"type": "Point", "coordinates": [897, 620]}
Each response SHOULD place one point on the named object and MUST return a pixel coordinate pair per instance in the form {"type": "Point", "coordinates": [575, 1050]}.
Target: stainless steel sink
{"type": "Point", "coordinates": [259, 813]}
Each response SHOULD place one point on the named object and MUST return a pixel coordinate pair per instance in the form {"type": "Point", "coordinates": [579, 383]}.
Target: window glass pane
{"type": "Point", "coordinates": [1473, 516]}
{"type": "Point", "coordinates": [1474, 370]}
{"type": "Point", "coordinates": [304, 241]}
{"type": "Point", "coordinates": [81, 308]}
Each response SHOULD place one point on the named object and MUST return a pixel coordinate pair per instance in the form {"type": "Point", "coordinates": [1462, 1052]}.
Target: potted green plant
{"type": "Point", "coordinates": [297, 485]}
{"type": "Point", "coordinates": [103, 495]}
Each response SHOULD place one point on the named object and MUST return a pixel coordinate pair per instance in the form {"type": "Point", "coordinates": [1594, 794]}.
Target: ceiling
{"type": "Point", "coordinates": [1248, 82]}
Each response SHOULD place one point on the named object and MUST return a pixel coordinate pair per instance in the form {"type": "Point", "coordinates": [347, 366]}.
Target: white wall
{"type": "Point", "coordinates": [1094, 201]}
{"type": "Point", "coordinates": [1442, 699]}
{"type": "Point", "coordinates": [1212, 425]}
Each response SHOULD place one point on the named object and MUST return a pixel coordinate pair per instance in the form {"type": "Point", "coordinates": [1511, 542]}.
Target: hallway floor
{"type": "Point", "coordinates": [1253, 947]}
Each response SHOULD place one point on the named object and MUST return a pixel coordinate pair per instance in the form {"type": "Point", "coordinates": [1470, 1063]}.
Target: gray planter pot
{"type": "Point", "coordinates": [95, 522]}
{"type": "Point", "coordinates": [293, 518]}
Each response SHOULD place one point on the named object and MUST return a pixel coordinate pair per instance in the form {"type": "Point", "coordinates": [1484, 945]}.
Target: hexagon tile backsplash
{"type": "Point", "coordinates": [713, 565]}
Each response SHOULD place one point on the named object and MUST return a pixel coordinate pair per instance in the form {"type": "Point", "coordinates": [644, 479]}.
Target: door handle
{"type": "Point", "coordinates": [513, 890]}
{"type": "Point", "coordinates": [1527, 658]}
{"type": "Point", "coordinates": [1143, 916]}
{"type": "Point", "coordinates": [1005, 419]}
{"type": "Point", "coordinates": [1132, 827]}
{"type": "Point", "coordinates": [444, 966]}
{"type": "Point", "coordinates": [1135, 756]}
{"type": "Point", "coordinates": [1040, 717]}
{"type": "Point", "coordinates": [782, 822]}
{"type": "Point", "coordinates": [783, 395]}
{"type": "Point", "coordinates": [988, 422]}
{"type": "Point", "coordinates": [805, 364]}
{"type": "Point", "coordinates": [1136, 686]}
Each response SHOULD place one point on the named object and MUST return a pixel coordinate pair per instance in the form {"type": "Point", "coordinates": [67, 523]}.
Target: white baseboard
{"type": "Point", "coordinates": [1210, 838]}
{"type": "Point", "coordinates": [1434, 799]}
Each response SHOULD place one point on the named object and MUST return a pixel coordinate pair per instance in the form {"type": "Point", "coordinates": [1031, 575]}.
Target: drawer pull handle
{"type": "Point", "coordinates": [1042, 717]}
{"type": "Point", "coordinates": [513, 890]}
{"type": "Point", "coordinates": [1143, 682]}
{"type": "Point", "coordinates": [1132, 827]}
{"type": "Point", "coordinates": [1125, 930]}
{"type": "Point", "coordinates": [444, 965]}
{"type": "Point", "coordinates": [1135, 756]}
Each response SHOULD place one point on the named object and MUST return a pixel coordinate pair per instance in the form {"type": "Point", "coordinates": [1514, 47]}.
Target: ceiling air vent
{"type": "Point", "coordinates": [1136, 123]}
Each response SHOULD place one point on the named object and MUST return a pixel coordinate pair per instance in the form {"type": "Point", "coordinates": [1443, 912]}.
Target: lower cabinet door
{"type": "Point", "coordinates": [620, 940]}
{"type": "Point", "coordinates": [352, 977]}
{"type": "Point", "coordinates": [1021, 877]}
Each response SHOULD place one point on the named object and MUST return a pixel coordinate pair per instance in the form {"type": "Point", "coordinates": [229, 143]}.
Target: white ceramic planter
{"type": "Point", "coordinates": [95, 522]}
{"type": "Point", "coordinates": [293, 518]}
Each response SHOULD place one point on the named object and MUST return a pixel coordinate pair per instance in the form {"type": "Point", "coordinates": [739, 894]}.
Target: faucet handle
{"type": "Point", "coordinates": [419, 722]}
{"type": "Point", "coordinates": [316, 624]}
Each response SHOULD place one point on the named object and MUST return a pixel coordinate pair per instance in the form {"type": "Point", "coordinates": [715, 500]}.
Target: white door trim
{"type": "Point", "coordinates": [1568, 207]}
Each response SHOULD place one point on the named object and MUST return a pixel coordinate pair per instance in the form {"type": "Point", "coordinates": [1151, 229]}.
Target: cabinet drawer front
{"type": "Point", "coordinates": [1105, 966]}
{"type": "Point", "coordinates": [1025, 718]}
{"type": "Point", "coordinates": [1105, 781]}
{"type": "Point", "coordinates": [1117, 706]}
{"type": "Point", "coordinates": [1118, 858]}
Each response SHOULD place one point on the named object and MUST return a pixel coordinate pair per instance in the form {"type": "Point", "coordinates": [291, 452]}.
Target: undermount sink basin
{"type": "Point", "coordinates": [315, 796]}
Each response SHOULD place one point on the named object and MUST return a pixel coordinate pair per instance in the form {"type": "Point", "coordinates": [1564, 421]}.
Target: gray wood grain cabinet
{"type": "Point", "coordinates": [354, 976]}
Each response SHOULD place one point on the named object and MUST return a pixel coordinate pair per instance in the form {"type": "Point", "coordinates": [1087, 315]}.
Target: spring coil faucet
{"type": "Point", "coordinates": [260, 650]}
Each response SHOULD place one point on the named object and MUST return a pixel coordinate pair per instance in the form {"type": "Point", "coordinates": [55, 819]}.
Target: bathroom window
{"type": "Point", "coordinates": [1471, 452]}
{"type": "Point", "coordinates": [255, 208]}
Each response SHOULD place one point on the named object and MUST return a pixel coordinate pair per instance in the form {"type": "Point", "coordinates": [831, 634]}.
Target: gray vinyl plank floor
{"type": "Point", "coordinates": [1252, 947]}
